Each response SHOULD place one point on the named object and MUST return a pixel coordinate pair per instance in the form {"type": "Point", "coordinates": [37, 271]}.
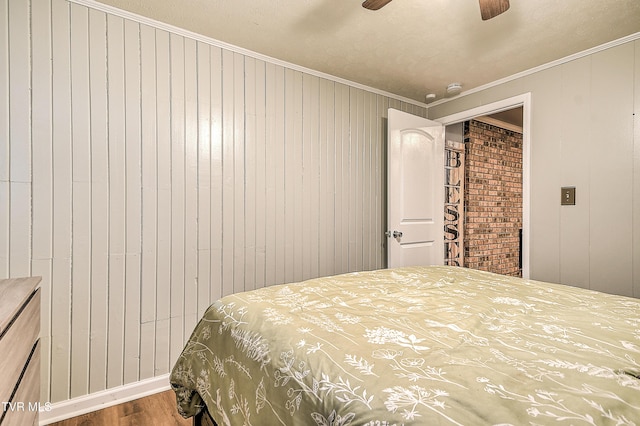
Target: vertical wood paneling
{"type": "Point", "coordinates": [117, 199]}
{"type": "Point", "coordinates": [166, 173]}
{"type": "Point", "coordinates": [343, 193]}
{"type": "Point", "coordinates": [191, 182]}
{"type": "Point", "coordinates": [81, 199]}
{"type": "Point", "coordinates": [5, 215]}
{"type": "Point", "coordinates": [294, 164]}
{"type": "Point", "coordinates": [291, 229]}
{"type": "Point", "coordinates": [370, 232]}
{"type": "Point", "coordinates": [99, 202]}
{"type": "Point", "coordinates": [4, 94]}
{"type": "Point", "coordinates": [576, 80]}
{"type": "Point", "coordinates": [355, 105]}
{"type": "Point", "coordinates": [310, 169]}
{"type": "Point", "coordinates": [329, 178]}
{"type": "Point", "coordinates": [228, 177]}
{"type": "Point", "coordinates": [163, 143]}
{"type": "Point", "coordinates": [4, 139]}
{"type": "Point", "coordinates": [216, 172]}
{"type": "Point", "coordinates": [20, 132]}
{"type": "Point", "coordinates": [546, 87]}
{"type": "Point", "coordinates": [149, 201]}
{"type": "Point", "coordinates": [133, 172]}
{"type": "Point", "coordinates": [271, 155]}
{"type": "Point", "coordinates": [239, 168]}
{"type": "Point", "coordinates": [325, 178]}
{"type": "Point", "coordinates": [19, 154]}
{"type": "Point", "coordinates": [62, 183]}
{"type": "Point", "coordinates": [250, 174]}
{"type": "Point", "coordinates": [305, 194]}
{"type": "Point", "coordinates": [281, 229]}
{"type": "Point", "coordinates": [42, 175]}
{"type": "Point", "coordinates": [355, 200]}
{"type": "Point", "coordinates": [204, 177]}
{"type": "Point", "coordinates": [42, 268]}
{"type": "Point", "coordinates": [177, 196]}
{"type": "Point", "coordinates": [612, 76]}
{"type": "Point", "coordinates": [261, 152]}
{"type": "Point", "coordinates": [20, 229]}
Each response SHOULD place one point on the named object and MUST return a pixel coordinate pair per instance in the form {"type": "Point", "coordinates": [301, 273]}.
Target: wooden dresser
{"type": "Point", "coordinates": [19, 351]}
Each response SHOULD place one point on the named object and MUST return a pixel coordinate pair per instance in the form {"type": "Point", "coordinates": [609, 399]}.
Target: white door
{"type": "Point", "coordinates": [415, 191]}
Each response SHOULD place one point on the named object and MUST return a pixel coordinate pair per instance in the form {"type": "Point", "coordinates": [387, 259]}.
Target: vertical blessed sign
{"type": "Point", "coordinates": [454, 204]}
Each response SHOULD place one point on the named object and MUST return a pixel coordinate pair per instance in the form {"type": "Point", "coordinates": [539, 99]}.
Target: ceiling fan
{"type": "Point", "coordinates": [488, 8]}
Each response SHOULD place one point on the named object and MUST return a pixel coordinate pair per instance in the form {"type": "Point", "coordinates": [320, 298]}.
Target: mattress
{"type": "Point", "coordinates": [414, 346]}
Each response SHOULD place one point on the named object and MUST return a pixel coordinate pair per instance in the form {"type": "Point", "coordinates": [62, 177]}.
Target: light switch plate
{"type": "Point", "coordinates": [568, 196]}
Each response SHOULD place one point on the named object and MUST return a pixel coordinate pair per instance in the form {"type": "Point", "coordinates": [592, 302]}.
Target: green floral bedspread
{"type": "Point", "coordinates": [415, 346]}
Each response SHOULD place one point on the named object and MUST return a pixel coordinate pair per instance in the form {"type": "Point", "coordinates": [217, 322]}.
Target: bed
{"type": "Point", "coordinates": [414, 346]}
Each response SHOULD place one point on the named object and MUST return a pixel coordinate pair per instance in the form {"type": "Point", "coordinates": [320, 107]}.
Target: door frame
{"type": "Point", "coordinates": [523, 101]}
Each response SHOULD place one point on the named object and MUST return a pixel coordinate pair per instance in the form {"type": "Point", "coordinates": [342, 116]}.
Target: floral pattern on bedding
{"type": "Point", "coordinates": [414, 346]}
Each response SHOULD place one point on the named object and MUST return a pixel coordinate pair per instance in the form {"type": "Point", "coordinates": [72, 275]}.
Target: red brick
{"type": "Point", "coordinates": [493, 198]}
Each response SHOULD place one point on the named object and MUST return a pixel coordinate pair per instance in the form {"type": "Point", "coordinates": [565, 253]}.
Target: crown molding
{"type": "Point", "coordinates": [93, 4]}
{"type": "Point", "coordinates": [561, 61]}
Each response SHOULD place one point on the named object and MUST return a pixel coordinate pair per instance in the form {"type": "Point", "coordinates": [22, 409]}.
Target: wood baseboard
{"type": "Point", "coordinates": [63, 410]}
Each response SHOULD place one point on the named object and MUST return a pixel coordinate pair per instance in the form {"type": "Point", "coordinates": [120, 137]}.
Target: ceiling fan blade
{"type": "Point", "coordinates": [492, 8]}
{"type": "Point", "coordinates": [374, 4]}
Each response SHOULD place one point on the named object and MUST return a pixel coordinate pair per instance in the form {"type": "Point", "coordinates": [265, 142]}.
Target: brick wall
{"type": "Point", "coordinates": [493, 194]}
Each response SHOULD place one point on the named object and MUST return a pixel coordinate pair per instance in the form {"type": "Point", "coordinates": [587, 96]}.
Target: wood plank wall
{"type": "Point", "coordinates": [145, 173]}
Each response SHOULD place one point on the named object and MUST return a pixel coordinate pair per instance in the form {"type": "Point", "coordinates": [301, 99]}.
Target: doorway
{"type": "Point", "coordinates": [508, 245]}
{"type": "Point", "coordinates": [493, 195]}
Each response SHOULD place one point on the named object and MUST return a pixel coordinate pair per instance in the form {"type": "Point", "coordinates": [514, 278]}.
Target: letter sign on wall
{"type": "Point", "coordinates": [454, 204]}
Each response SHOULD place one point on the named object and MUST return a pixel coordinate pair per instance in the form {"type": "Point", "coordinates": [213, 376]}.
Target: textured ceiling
{"type": "Point", "coordinates": [409, 47]}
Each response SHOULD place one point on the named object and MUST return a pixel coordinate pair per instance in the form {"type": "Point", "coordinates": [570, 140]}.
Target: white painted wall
{"type": "Point", "coordinates": [144, 173]}
{"type": "Point", "coordinates": [585, 132]}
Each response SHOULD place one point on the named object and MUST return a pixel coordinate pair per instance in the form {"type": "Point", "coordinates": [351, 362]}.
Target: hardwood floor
{"type": "Point", "coordinates": [157, 410]}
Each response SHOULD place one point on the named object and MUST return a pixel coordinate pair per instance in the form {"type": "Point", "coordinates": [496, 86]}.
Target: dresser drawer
{"type": "Point", "coordinates": [16, 345]}
{"type": "Point", "coordinates": [26, 399]}
{"type": "Point", "coordinates": [19, 351]}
